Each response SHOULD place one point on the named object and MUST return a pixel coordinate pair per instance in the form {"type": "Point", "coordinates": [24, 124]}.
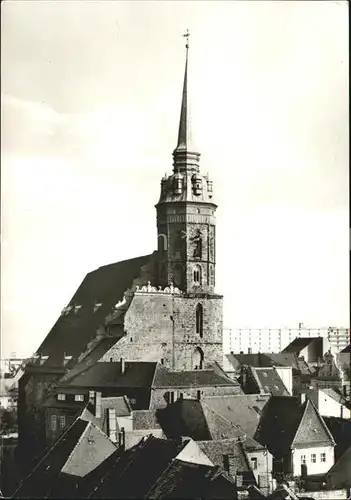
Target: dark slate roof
{"type": "Point", "coordinates": [286, 423]}
{"type": "Point", "coordinates": [270, 381]}
{"type": "Point", "coordinates": [197, 378]}
{"type": "Point", "coordinates": [298, 344]}
{"type": "Point", "coordinates": [340, 428]}
{"type": "Point", "coordinates": [135, 471]}
{"type": "Point", "coordinates": [341, 470]}
{"type": "Point", "coordinates": [109, 374]}
{"type": "Point", "coordinates": [185, 480]}
{"type": "Point", "coordinates": [106, 285]}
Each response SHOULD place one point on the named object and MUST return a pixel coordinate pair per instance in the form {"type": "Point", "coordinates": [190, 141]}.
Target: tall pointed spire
{"type": "Point", "coordinates": [185, 157]}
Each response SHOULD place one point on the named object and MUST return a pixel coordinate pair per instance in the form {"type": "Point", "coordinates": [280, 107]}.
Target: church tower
{"type": "Point", "coordinates": [186, 256]}
{"type": "Point", "coordinates": [186, 221]}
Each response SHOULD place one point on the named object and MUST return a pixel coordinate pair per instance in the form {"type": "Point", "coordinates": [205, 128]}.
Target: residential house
{"type": "Point", "coordinates": [343, 360]}
{"type": "Point", "coordinates": [297, 437]}
{"type": "Point", "coordinates": [329, 402]}
{"type": "Point", "coordinates": [329, 374]}
{"type": "Point", "coordinates": [256, 380]}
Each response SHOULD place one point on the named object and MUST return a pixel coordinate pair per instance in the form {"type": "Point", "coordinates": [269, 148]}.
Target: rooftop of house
{"type": "Point", "coordinates": [165, 378]}
{"type": "Point", "coordinates": [216, 450]}
{"type": "Point", "coordinates": [340, 428]}
{"type": "Point", "coordinates": [93, 301]}
{"type": "Point", "coordinates": [266, 360]}
{"type": "Point", "coordinates": [64, 459]}
{"type": "Point", "coordinates": [336, 396]}
{"type": "Point", "coordinates": [285, 423]}
{"type": "Point", "coordinates": [213, 417]}
{"type": "Point", "coordinates": [299, 343]}
{"type": "Point", "coordinates": [269, 381]}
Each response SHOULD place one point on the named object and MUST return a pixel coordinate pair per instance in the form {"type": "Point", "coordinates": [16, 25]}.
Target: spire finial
{"type": "Point", "coordinates": [187, 34]}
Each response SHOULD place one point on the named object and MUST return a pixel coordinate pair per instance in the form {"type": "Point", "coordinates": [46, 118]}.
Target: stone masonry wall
{"type": "Point", "coordinates": [151, 335]}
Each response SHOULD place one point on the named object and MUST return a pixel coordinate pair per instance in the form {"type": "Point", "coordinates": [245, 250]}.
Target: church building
{"type": "Point", "coordinates": [160, 307]}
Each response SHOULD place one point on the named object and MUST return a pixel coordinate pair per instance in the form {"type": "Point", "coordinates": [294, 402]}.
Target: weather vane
{"type": "Point", "coordinates": [187, 34]}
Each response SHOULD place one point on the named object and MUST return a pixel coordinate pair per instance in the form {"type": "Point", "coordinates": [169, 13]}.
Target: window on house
{"type": "Point", "coordinates": [253, 461]}
{"type": "Point", "coordinates": [199, 319]}
{"type": "Point", "coordinates": [53, 422]}
{"type": "Point", "coordinates": [303, 459]}
{"type": "Point", "coordinates": [62, 421]}
{"type": "Point", "coordinates": [323, 457]}
{"type": "Point", "coordinates": [61, 397]}
{"type": "Point", "coordinates": [313, 458]}
{"type": "Point", "coordinates": [78, 397]}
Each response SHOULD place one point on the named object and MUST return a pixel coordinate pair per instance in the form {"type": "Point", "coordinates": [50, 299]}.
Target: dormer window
{"type": "Point", "coordinates": [61, 397]}
{"type": "Point", "coordinates": [78, 397]}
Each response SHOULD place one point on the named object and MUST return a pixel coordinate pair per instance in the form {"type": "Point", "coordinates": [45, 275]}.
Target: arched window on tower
{"type": "Point", "coordinates": [199, 312]}
{"type": "Point", "coordinates": [197, 275]}
{"type": "Point", "coordinates": [198, 359]}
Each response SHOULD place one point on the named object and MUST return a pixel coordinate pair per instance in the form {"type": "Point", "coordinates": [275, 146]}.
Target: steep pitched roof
{"type": "Point", "coordinates": [286, 423]}
{"type": "Point", "coordinates": [106, 286]}
{"type": "Point", "coordinates": [145, 419]}
{"type": "Point", "coordinates": [81, 439]}
{"type": "Point", "coordinates": [340, 428]}
{"type": "Point", "coordinates": [135, 471]}
{"type": "Point", "coordinates": [298, 344]}
{"type": "Point", "coordinates": [109, 374]}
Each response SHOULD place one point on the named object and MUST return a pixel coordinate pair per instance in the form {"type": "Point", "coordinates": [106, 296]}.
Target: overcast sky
{"type": "Point", "coordinates": [90, 106]}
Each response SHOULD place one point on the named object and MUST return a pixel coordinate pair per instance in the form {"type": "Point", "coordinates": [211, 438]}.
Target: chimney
{"type": "Point", "coordinates": [92, 397]}
{"type": "Point", "coordinates": [303, 397]}
{"type": "Point", "coordinates": [123, 365]}
{"type": "Point", "coordinates": [98, 404]}
{"type": "Point", "coordinates": [344, 391]}
{"type": "Point", "coordinates": [122, 438]}
{"type": "Point", "coordinates": [249, 350]}
{"type": "Point", "coordinates": [198, 395]}
{"type": "Point", "coordinates": [111, 414]}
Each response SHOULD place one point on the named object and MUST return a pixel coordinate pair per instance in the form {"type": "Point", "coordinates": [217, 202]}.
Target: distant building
{"type": "Point", "coordinates": [275, 339]}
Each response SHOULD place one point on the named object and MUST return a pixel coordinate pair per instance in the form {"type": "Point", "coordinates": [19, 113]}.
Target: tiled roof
{"type": "Point", "coordinates": [145, 419]}
{"type": "Point", "coordinates": [120, 404]}
{"type": "Point", "coordinates": [106, 286]}
{"type": "Point", "coordinates": [243, 411]}
{"type": "Point", "coordinates": [213, 418]}
{"type": "Point", "coordinates": [184, 480]}
{"type": "Point", "coordinates": [340, 472]}
{"type": "Point", "coordinates": [270, 381]}
{"type": "Point", "coordinates": [298, 344]}
{"type": "Point", "coordinates": [197, 378]}
{"type": "Point", "coordinates": [215, 450]}
{"type": "Point", "coordinates": [109, 374]}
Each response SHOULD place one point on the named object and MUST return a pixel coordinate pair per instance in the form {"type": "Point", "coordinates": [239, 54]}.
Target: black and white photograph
{"type": "Point", "coordinates": [175, 250]}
